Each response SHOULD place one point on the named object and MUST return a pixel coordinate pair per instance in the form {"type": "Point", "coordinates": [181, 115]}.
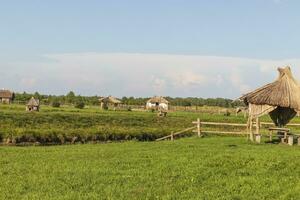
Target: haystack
{"type": "Point", "coordinates": [33, 105]}
{"type": "Point", "coordinates": [106, 101]}
{"type": "Point", "coordinates": [280, 99]}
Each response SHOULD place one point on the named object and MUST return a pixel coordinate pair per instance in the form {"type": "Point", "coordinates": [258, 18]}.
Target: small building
{"type": "Point", "coordinates": [106, 102]}
{"type": "Point", "coordinates": [157, 103]}
{"type": "Point", "coordinates": [33, 105]}
{"type": "Point", "coordinates": [6, 96]}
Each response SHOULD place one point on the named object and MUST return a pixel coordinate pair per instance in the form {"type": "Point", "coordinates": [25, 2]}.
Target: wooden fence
{"type": "Point", "coordinates": [200, 129]}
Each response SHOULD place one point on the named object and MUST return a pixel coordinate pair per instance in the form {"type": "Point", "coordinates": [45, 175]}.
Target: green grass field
{"type": "Point", "coordinates": [190, 168]}
{"type": "Point", "coordinates": [61, 125]}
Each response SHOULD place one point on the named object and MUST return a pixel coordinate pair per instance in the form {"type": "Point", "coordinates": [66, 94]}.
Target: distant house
{"type": "Point", "coordinates": [33, 105]}
{"type": "Point", "coordinates": [109, 101]}
{"type": "Point", "coordinates": [6, 96]}
{"type": "Point", "coordinates": [157, 103]}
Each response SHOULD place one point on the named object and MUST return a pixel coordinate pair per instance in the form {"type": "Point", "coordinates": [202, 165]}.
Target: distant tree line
{"type": "Point", "coordinates": [72, 99]}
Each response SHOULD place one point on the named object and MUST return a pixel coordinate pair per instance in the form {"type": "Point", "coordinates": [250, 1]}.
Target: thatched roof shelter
{"type": "Point", "coordinates": [33, 104]}
{"type": "Point", "coordinates": [158, 100]}
{"type": "Point", "coordinates": [280, 99]}
{"type": "Point", "coordinates": [6, 94]}
{"type": "Point", "coordinates": [110, 99]}
{"type": "Point", "coordinates": [106, 101]}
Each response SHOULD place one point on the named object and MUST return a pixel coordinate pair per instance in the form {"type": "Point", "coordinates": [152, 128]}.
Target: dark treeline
{"type": "Point", "coordinates": [71, 98]}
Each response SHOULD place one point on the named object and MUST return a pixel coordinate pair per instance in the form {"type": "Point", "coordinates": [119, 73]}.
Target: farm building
{"type": "Point", "coordinates": [33, 105]}
{"type": "Point", "coordinates": [280, 99]}
{"type": "Point", "coordinates": [106, 102]}
{"type": "Point", "coordinates": [6, 96]}
{"type": "Point", "coordinates": [156, 103]}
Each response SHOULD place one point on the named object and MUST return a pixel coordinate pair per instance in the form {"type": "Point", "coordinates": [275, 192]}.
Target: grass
{"type": "Point", "coordinates": [67, 124]}
{"type": "Point", "coordinates": [190, 168]}
{"type": "Point", "coordinates": [60, 125]}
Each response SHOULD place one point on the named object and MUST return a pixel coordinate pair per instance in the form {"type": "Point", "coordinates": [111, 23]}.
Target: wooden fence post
{"type": "Point", "coordinates": [291, 140]}
{"type": "Point", "coordinates": [199, 127]}
{"type": "Point", "coordinates": [250, 128]}
{"type": "Point", "coordinates": [172, 136]}
{"type": "Point", "coordinates": [257, 126]}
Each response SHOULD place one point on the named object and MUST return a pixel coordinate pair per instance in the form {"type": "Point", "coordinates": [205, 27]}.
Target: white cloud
{"type": "Point", "coordinates": [28, 82]}
{"type": "Point", "coordinates": [143, 74]}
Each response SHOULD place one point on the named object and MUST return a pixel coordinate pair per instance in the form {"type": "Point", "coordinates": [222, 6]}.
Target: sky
{"type": "Point", "coordinates": [141, 48]}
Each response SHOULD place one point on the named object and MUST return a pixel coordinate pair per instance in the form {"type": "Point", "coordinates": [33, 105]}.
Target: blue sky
{"type": "Point", "coordinates": [143, 48]}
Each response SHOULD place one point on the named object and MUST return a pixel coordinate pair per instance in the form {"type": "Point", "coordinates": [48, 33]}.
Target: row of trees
{"type": "Point", "coordinates": [73, 99]}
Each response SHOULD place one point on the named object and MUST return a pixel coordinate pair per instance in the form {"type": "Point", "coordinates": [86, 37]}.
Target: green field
{"type": "Point", "coordinates": [62, 125]}
{"type": "Point", "coordinates": [190, 168]}
{"type": "Point", "coordinates": [125, 163]}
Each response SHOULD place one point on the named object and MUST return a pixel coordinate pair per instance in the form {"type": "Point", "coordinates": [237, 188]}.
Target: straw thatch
{"type": "Point", "coordinates": [158, 100]}
{"type": "Point", "coordinates": [6, 96]}
{"type": "Point", "coordinates": [281, 99]}
{"type": "Point", "coordinates": [110, 99]}
{"type": "Point", "coordinates": [106, 101]}
{"type": "Point", "coordinates": [33, 104]}
{"type": "Point", "coordinates": [284, 92]}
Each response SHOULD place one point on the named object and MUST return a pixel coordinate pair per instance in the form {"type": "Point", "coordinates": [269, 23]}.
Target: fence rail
{"type": "Point", "coordinates": [200, 130]}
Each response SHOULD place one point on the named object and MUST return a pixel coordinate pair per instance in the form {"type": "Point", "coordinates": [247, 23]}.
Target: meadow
{"type": "Point", "coordinates": [67, 125]}
{"type": "Point", "coordinates": [125, 163]}
{"type": "Point", "coordinates": [62, 125]}
{"type": "Point", "coordinates": [188, 168]}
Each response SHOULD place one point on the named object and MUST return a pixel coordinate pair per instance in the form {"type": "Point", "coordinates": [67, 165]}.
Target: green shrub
{"type": "Point", "coordinates": [55, 104]}
{"type": "Point", "coordinates": [79, 104]}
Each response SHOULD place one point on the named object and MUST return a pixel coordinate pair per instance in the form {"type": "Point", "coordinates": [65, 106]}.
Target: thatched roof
{"type": "Point", "coordinates": [110, 99]}
{"type": "Point", "coordinates": [284, 92]}
{"type": "Point", "coordinates": [158, 99]}
{"type": "Point", "coordinates": [6, 94]}
{"type": "Point", "coordinates": [33, 102]}
{"type": "Point", "coordinates": [280, 99]}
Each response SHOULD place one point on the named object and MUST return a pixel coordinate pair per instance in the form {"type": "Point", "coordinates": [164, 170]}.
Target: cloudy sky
{"type": "Point", "coordinates": [144, 48]}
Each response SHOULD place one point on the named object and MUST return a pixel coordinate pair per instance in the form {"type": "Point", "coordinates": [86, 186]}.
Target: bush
{"type": "Point", "coordinates": [55, 104]}
{"type": "Point", "coordinates": [79, 104]}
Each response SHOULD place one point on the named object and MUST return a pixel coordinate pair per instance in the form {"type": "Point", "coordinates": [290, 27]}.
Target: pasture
{"type": "Point", "coordinates": [213, 167]}
{"type": "Point", "coordinates": [60, 125]}
{"type": "Point", "coordinates": [189, 168]}
{"type": "Point", "coordinates": [67, 125]}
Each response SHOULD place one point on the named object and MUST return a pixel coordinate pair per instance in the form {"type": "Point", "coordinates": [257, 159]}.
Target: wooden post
{"type": "Point", "coordinates": [298, 141]}
{"type": "Point", "coordinates": [250, 129]}
{"type": "Point", "coordinates": [291, 140]}
{"type": "Point", "coordinates": [258, 138]}
{"type": "Point", "coordinates": [172, 136]}
{"type": "Point", "coordinates": [199, 127]}
{"type": "Point", "coordinates": [257, 126]}
{"type": "Point", "coordinates": [271, 136]}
